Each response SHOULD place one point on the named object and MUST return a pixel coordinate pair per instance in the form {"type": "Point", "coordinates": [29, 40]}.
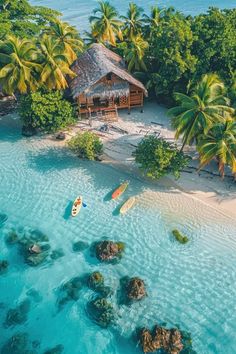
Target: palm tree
{"type": "Point", "coordinates": [134, 53]}
{"type": "Point", "coordinates": [4, 4]}
{"type": "Point", "coordinates": [153, 20]}
{"type": "Point", "coordinates": [220, 144]}
{"type": "Point", "coordinates": [55, 64]}
{"type": "Point", "coordinates": [133, 20]}
{"type": "Point", "coordinates": [197, 112]}
{"type": "Point", "coordinates": [106, 26]}
{"type": "Point", "coordinates": [68, 37]}
{"type": "Point", "coordinates": [18, 63]}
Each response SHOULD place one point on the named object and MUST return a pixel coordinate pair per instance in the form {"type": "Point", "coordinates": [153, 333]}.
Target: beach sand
{"type": "Point", "coordinates": [118, 147]}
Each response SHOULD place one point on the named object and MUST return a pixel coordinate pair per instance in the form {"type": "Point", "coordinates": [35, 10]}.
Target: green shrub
{"type": "Point", "coordinates": [158, 157]}
{"type": "Point", "coordinates": [86, 145]}
{"type": "Point", "coordinates": [48, 111]}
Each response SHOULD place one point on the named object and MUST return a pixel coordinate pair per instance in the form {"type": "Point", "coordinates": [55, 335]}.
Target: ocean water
{"type": "Point", "coordinates": [77, 12]}
{"type": "Point", "coordinates": [192, 285]}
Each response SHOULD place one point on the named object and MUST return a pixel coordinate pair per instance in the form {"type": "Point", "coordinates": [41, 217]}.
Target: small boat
{"type": "Point", "coordinates": [127, 205]}
{"type": "Point", "coordinates": [120, 190]}
{"type": "Point", "coordinates": [76, 206]}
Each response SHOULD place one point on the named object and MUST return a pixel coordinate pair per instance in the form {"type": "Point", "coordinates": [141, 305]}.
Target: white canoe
{"type": "Point", "coordinates": [127, 205]}
{"type": "Point", "coordinates": [76, 206]}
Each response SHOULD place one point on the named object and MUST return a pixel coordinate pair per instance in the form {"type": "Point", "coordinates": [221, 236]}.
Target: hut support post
{"type": "Point", "coordinates": [142, 103]}
{"type": "Point", "coordinates": [90, 117]}
{"type": "Point", "coordinates": [129, 103]}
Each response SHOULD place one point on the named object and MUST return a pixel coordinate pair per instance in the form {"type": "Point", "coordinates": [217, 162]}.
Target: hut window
{"type": "Point", "coordinates": [109, 77]}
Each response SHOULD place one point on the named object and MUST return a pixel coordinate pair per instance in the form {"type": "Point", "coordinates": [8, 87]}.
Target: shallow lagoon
{"type": "Point", "coordinates": [192, 285]}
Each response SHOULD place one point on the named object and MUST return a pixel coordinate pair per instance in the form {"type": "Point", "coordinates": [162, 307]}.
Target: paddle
{"type": "Point", "coordinates": [84, 205]}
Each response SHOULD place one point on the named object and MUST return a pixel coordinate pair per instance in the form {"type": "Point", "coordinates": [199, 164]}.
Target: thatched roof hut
{"type": "Point", "coordinates": [102, 75]}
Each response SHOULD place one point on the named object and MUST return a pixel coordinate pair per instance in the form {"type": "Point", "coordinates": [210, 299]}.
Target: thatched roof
{"type": "Point", "coordinates": [95, 64]}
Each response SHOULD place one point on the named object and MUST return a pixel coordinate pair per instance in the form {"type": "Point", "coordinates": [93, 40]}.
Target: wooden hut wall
{"type": "Point", "coordinates": [136, 96]}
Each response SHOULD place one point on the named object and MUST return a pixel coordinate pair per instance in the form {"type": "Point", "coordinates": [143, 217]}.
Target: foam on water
{"type": "Point", "coordinates": [192, 285]}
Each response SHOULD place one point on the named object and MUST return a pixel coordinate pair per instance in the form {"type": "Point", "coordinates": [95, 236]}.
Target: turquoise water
{"type": "Point", "coordinates": [78, 11]}
{"type": "Point", "coordinates": [191, 285]}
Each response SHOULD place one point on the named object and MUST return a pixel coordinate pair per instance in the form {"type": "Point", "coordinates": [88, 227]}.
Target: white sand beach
{"type": "Point", "coordinates": [123, 137]}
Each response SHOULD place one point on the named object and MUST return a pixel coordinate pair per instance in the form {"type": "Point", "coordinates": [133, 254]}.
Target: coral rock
{"type": "Point", "coordinates": [135, 289]}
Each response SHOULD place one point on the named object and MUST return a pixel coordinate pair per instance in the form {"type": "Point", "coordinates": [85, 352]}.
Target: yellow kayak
{"type": "Point", "coordinates": [127, 205]}
{"type": "Point", "coordinates": [76, 206]}
{"type": "Point", "coordinates": [120, 190]}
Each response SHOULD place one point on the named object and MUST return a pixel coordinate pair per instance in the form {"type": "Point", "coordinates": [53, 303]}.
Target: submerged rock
{"type": "Point", "coordinates": [95, 280]}
{"type": "Point", "coordinates": [101, 311]}
{"type": "Point", "coordinates": [179, 237]}
{"type": "Point", "coordinates": [171, 341]}
{"type": "Point", "coordinates": [12, 237]}
{"type": "Point", "coordinates": [3, 219]}
{"type": "Point", "coordinates": [18, 315]}
{"type": "Point", "coordinates": [79, 246]}
{"type": "Point", "coordinates": [17, 344]}
{"type": "Point", "coordinates": [135, 289]}
{"type": "Point", "coordinates": [70, 291]}
{"type": "Point", "coordinates": [3, 267]}
{"type": "Point", "coordinates": [56, 254]}
{"type": "Point", "coordinates": [34, 294]}
{"type": "Point", "coordinates": [34, 248]}
{"type": "Point", "coordinates": [109, 250]}
{"type": "Point", "coordinates": [56, 350]}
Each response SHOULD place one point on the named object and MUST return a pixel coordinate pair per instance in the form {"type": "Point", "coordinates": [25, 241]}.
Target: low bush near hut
{"type": "Point", "coordinates": [48, 111]}
{"type": "Point", "coordinates": [158, 158]}
{"type": "Point", "coordinates": [86, 145]}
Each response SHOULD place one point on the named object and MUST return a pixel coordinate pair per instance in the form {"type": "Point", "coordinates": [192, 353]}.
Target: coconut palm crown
{"type": "Point", "coordinates": [220, 144]}
{"type": "Point", "coordinates": [55, 64]}
{"type": "Point", "coordinates": [105, 24]}
{"type": "Point", "coordinates": [68, 37]}
{"type": "Point", "coordinates": [18, 65]}
{"type": "Point", "coordinates": [197, 112]}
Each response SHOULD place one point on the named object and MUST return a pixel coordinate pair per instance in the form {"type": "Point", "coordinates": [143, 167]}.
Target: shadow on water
{"type": "Point", "coordinates": [67, 213]}
{"type": "Point", "coordinates": [116, 211]}
{"type": "Point", "coordinates": [52, 158]}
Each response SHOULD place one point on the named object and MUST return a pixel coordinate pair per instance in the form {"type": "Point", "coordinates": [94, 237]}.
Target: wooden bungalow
{"type": "Point", "coordinates": [103, 84]}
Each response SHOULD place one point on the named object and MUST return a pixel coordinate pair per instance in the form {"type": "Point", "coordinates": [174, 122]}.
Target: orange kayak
{"type": "Point", "coordinates": [120, 190]}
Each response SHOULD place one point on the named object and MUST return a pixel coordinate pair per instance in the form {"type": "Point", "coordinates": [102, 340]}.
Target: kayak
{"type": "Point", "coordinates": [76, 206]}
{"type": "Point", "coordinates": [120, 190]}
{"type": "Point", "coordinates": [127, 205]}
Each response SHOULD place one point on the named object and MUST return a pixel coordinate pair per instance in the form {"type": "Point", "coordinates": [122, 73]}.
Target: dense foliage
{"type": "Point", "coordinates": [22, 19]}
{"type": "Point", "coordinates": [40, 53]}
{"type": "Point", "coordinates": [86, 145]}
{"type": "Point", "coordinates": [205, 118]}
{"type": "Point", "coordinates": [158, 158]}
{"type": "Point", "coordinates": [168, 50]}
{"type": "Point", "coordinates": [48, 111]}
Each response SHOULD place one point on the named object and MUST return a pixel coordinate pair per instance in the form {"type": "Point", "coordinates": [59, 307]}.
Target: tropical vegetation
{"type": "Point", "coordinates": [186, 62]}
{"type": "Point", "coordinates": [46, 111]}
{"type": "Point", "coordinates": [86, 145]}
{"type": "Point", "coordinates": [219, 144]}
{"type": "Point", "coordinates": [157, 158]}
{"type": "Point", "coordinates": [199, 111]}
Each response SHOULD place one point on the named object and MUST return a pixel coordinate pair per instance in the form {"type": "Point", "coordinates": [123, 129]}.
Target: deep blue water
{"type": "Point", "coordinates": [78, 11]}
{"type": "Point", "coordinates": [191, 285]}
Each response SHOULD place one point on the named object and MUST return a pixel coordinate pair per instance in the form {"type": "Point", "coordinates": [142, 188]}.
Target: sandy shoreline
{"type": "Point", "coordinates": [118, 148]}
{"type": "Point", "coordinates": [119, 145]}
